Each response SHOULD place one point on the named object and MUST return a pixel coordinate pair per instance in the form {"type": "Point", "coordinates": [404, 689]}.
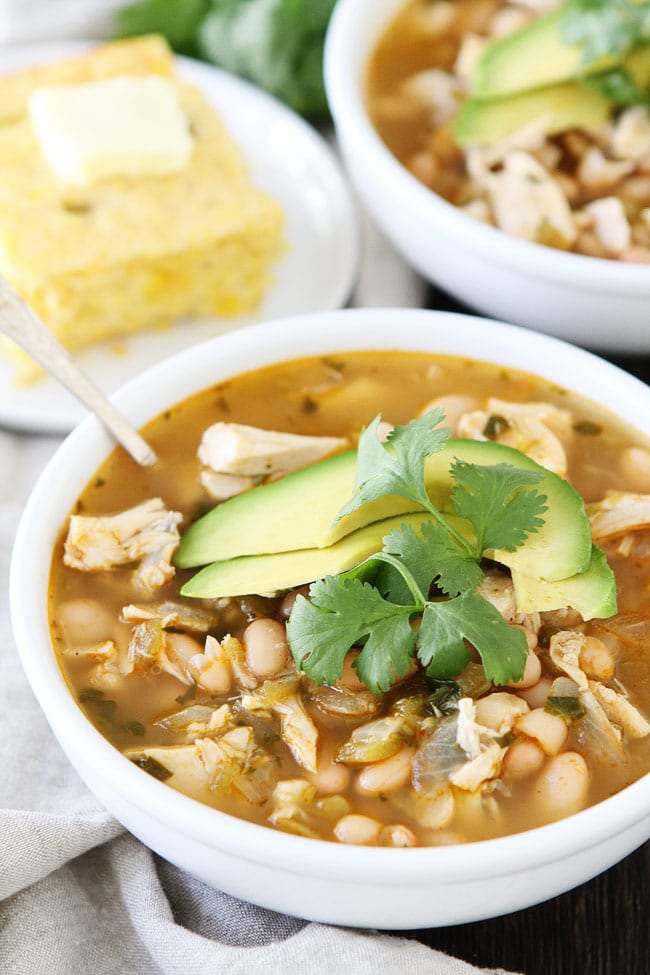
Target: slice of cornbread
{"type": "Point", "coordinates": [130, 252]}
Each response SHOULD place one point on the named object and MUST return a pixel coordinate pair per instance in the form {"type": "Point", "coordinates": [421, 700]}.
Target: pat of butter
{"type": "Point", "coordinates": [120, 126]}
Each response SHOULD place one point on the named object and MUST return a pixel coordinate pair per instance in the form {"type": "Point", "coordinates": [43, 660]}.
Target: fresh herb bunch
{"type": "Point", "coordinates": [278, 44]}
{"type": "Point", "coordinates": [384, 605]}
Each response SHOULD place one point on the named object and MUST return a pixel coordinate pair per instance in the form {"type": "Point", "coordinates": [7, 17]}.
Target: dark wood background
{"type": "Point", "coordinates": [601, 927]}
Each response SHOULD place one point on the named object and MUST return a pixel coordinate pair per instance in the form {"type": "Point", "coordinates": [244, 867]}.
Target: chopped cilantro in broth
{"type": "Point", "coordinates": [158, 705]}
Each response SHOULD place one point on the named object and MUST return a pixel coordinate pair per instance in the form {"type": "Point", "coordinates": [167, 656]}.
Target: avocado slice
{"type": "Point", "coordinates": [276, 572]}
{"type": "Point", "coordinates": [562, 546]}
{"type": "Point", "coordinates": [295, 512]}
{"type": "Point", "coordinates": [299, 512]}
{"type": "Point", "coordinates": [533, 57]}
{"type": "Point", "coordinates": [562, 107]}
{"type": "Point", "coordinates": [592, 593]}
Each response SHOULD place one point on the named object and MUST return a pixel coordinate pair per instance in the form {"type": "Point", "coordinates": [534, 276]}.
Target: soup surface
{"type": "Point", "coordinates": [582, 187]}
{"type": "Point", "coordinates": [205, 695]}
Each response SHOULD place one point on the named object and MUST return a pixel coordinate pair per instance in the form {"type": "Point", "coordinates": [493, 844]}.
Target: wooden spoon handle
{"type": "Point", "coordinates": [20, 323]}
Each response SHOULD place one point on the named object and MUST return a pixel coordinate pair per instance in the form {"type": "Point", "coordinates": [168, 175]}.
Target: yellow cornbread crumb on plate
{"type": "Point", "coordinates": [131, 253]}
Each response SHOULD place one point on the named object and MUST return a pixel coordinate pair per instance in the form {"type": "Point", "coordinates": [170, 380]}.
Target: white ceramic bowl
{"type": "Point", "coordinates": [384, 888]}
{"type": "Point", "coordinates": [597, 303]}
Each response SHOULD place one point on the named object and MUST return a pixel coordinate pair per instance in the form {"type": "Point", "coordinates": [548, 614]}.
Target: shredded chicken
{"type": "Point", "coordinates": [238, 450]}
{"type": "Point", "coordinates": [631, 134]}
{"type": "Point", "coordinates": [108, 669]}
{"type": "Point", "coordinates": [170, 614]}
{"type": "Point", "coordinates": [620, 711]}
{"type": "Point", "coordinates": [220, 487]}
{"type": "Point", "coordinates": [437, 90]}
{"type": "Point", "coordinates": [479, 740]}
{"type": "Point", "coordinates": [619, 512]}
{"type": "Point", "coordinates": [282, 697]}
{"type": "Point", "coordinates": [484, 767]}
{"type": "Point", "coordinates": [528, 202]}
{"type": "Point", "coordinates": [147, 533]}
{"type": "Point", "coordinates": [538, 430]}
{"type": "Point", "coordinates": [610, 223]}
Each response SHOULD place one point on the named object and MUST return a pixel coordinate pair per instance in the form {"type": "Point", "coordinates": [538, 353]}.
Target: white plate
{"type": "Point", "coordinates": [290, 160]}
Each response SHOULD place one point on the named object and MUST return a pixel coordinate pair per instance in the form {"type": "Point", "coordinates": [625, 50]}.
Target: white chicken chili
{"type": "Point", "coordinates": [450, 675]}
{"type": "Point", "coordinates": [503, 110]}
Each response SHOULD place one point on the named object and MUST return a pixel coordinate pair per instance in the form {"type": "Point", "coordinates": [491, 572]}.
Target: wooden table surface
{"type": "Point", "coordinates": [599, 928]}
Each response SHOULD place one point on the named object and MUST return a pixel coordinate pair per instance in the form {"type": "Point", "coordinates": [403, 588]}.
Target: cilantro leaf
{"type": "Point", "coordinates": [344, 613]}
{"type": "Point", "coordinates": [618, 86]}
{"type": "Point", "coordinates": [604, 27]}
{"type": "Point", "coordinates": [445, 627]}
{"type": "Point", "coordinates": [388, 652]}
{"type": "Point", "coordinates": [371, 606]}
{"type": "Point", "coordinates": [492, 499]}
{"type": "Point", "coordinates": [396, 466]}
{"type": "Point", "coordinates": [433, 556]}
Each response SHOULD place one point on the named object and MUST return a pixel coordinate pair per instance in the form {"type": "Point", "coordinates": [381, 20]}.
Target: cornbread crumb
{"type": "Point", "coordinates": [128, 253]}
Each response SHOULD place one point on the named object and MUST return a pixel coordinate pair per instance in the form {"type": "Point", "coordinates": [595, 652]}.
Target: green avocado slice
{"type": "Point", "coordinates": [264, 574]}
{"type": "Point", "coordinates": [299, 512]}
{"type": "Point", "coordinates": [533, 57]}
{"type": "Point", "coordinates": [562, 546]}
{"type": "Point", "coordinates": [295, 512]}
{"type": "Point", "coordinates": [592, 593]}
{"type": "Point", "coordinates": [562, 107]}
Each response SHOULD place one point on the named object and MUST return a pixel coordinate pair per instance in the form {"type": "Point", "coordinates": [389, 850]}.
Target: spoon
{"type": "Point", "coordinates": [22, 324]}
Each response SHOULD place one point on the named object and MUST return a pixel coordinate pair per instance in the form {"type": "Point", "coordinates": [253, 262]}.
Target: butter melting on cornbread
{"type": "Point", "coordinates": [110, 248]}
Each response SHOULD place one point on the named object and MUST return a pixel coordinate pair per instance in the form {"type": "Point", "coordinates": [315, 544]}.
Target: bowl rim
{"type": "Point", "coordinates": [354, 28]}
{"type": "Point", "coordinates": [88, 445]}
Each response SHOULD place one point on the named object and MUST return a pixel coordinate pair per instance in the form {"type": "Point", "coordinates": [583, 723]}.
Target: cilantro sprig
{"type": "Point", "coordinates": [606, 27]}
{"type": "Point", "coordinates": [384, 605]}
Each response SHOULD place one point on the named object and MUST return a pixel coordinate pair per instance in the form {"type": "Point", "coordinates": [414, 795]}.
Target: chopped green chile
{"type": "Point", "coordinates": [588, 428]}
{"type": "Point", "coordinates": [152, 767]}
{"type": "Point", "coordinates": [495, 426]}
{"type": "Point", "coordinates": [569, 708]}
{"type": "Point", "coordinates": [431, 756]}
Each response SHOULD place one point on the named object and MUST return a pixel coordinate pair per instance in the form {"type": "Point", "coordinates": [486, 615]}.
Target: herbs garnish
{"type": "Point", "coordinates": [617, 86]}
{"type": "Point", "coordinates": [605, 27]}
{"type": "Point", "coordinates": [385, 606]}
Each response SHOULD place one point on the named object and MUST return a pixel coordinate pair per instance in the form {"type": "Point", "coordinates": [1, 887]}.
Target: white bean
{"type": "Point", "coordinates": [349, 677]}
{"type": "Point", "coordinates": [522, 759]}
{"type": "Point", "coordinates": [549, 730]}
{"type": "Point", "coordinates": [536, 695]}
{"type": "Point", "coordinates": [84, 622]}
{"type": "Point", "coordinates": [532, 672]}
{"type": "Point", "coordinates": [397, 835]}
{"type": "Point", "coordinates": [388, 775]}
{"type": "Point", "coordinates": [330, 777]}
{"type": "Point", "coordinates": [561, 787]}
{"type": "Point", "coordinates": [183, 647]}
{"type": "Point", "coordinates": [357, 829]}
{"type": "Point", "coordinates": [265, 642]}
{"type": "Point", "coordinates": [214, 676]}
